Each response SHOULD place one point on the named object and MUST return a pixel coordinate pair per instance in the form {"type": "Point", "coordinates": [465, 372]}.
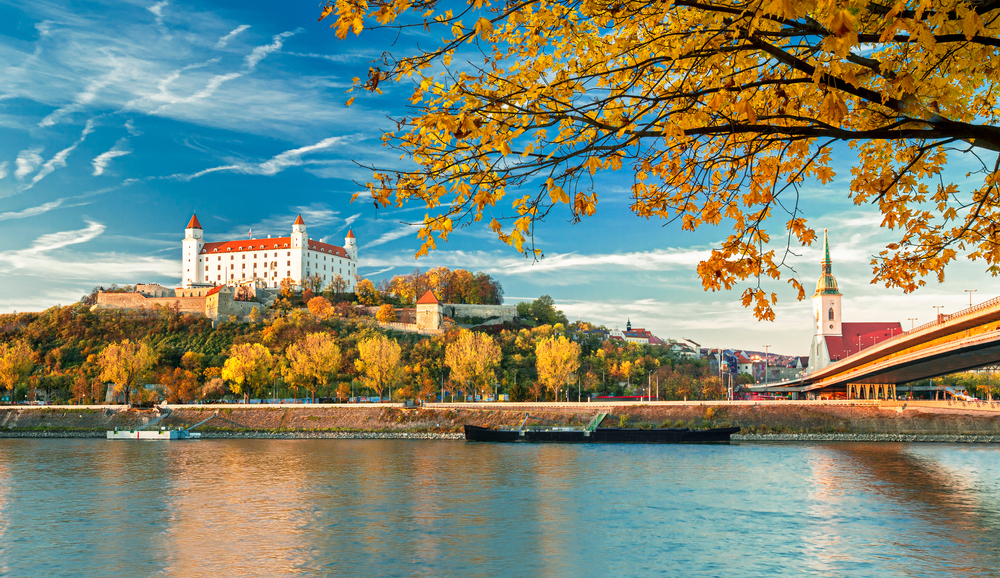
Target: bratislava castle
{"type": "Point", "coordinates": [268, 260]}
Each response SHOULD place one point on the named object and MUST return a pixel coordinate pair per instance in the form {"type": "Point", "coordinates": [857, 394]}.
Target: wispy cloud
{"type": "Point", "coordinates": [58, 161]}
{"type": "Point", "coordinates": [31, 211]}
{"type": "Point", "coordinates": [95, 268]}
{"type": "Point", "coordinates": [82, 99]}
{"type": "Point", "coordinates": [3, 170]}
{"type": "Point", "coordinates": [27, 161]}
{"type": "Point", "coordinates": [249, 64]}
{"type": "Point", "coordinates": [272, 166]}
{"type": "Point", "coordinates": [315, 215]}
{"type": "Point", "coordinates": [157, 10]}
{"type": "Point", "coordinates": [130, 127]}
{"type": "Point", "coordinates": [261, 52]}
{"type": "Point", "coordinates": [392, 235]}
{"type": "Point", "coordinates": [101, 161]}
{"type": "Point", "coordinates": [225, 39]}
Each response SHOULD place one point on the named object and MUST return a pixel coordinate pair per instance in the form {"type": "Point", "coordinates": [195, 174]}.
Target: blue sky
{"type": "Point", "coordinates": [119, 119]}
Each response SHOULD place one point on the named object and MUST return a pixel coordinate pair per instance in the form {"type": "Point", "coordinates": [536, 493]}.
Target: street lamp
{"type": "Point", "coordinates": [937, 309]}
{"type": "Point", "coordinates": [911, 320]}
{"type": "Point", "coordinates": [970, 292]}
{"type": "Point", "coordinates": [765, 364]}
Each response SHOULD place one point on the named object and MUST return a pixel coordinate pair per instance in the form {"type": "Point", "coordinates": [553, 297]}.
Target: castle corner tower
{"type": "Point", "coordinates": [194, 240]}
{"type": "Point", "coordinates": [351, 245]}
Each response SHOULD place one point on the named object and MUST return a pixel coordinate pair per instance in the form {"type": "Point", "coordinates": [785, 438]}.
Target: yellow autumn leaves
{"type": "Point", "coordinates": [718, 114]}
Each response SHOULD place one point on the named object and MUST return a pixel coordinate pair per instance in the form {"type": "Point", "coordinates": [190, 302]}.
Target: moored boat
{"type": "Point", "coordinates": [599, 435]}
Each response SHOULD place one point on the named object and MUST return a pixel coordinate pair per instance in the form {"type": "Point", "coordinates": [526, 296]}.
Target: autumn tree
{"type": "Point", "coordinates": [386, 314]}
{"type": "Point", "coordinates": [558, 359]}
{"type": "Point", "coordinates": [379, 362]}
{"type": "Point", "coordinates": [339, 285]}
{"type": "Point", "coordinates": [248, 368]}
{"type": "Point", "coordinates": [320, 307]}
{"type": "Point", "coordinates": [126, 364]}
{"type": "Point", "coordinates": [473, 359]}
{"type": "Point", "coordinates": [17, 359]}
{"type": "Point", "coordinates": [719, 112]}
{"type": "Point", "coordinates": [313, 361]}
{"type": "Point", "coordinates": [365, 290]}
{"type": "Point", "coordinates": [180, 385]}
{"type": "Point", "coordinates": [287, 287]}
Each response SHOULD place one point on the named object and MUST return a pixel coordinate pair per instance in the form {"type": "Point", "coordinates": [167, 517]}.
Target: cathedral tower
{"type": "Point", "coordinates": [826, 299]}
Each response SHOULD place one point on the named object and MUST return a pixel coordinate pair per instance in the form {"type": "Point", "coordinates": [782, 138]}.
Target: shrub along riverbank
{"type": "Point", "coordinates": [755, 420]}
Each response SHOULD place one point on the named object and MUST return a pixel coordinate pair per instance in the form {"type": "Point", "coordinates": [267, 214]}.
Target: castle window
{"type": "Point", "coordinates": [831, 314]}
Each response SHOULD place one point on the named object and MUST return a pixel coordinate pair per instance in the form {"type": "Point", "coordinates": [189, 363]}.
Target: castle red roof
{"type": "Point", "coordinates": [269, 244]}
{"type": "Point", "coordinates": [350, 233]}
{"type": "Point", "coordinates": [214, 290]}
{"type": "Point", "coordinates": [428, 298]}
{"type": "Point", "coordinates": [193, 223]}
{"type": "Point", "coordinates": [860, 336]}
{"type": "Point", "coordinates": [299, 221]}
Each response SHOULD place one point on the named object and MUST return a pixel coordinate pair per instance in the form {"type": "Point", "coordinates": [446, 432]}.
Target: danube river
{"type": "Point", "coordinates": [447, 508]}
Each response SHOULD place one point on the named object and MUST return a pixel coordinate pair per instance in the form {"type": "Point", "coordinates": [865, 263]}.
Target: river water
{"type": "Point", "coordinates": [445, 508]}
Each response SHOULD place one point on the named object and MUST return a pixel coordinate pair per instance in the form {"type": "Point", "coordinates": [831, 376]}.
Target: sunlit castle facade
{"type": "Point", "coordinates": [268, 260]}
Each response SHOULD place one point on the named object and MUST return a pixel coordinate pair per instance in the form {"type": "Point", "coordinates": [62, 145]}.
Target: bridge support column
{"type": "Point", "coordinates": [884, 391]}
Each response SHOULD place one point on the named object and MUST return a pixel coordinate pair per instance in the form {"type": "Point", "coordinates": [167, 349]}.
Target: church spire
{"type": "Point", "coordinates": [827, 283]}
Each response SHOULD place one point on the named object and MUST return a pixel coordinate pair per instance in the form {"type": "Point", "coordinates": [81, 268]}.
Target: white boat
{"type": "Point", "coordinates": [142, 433]}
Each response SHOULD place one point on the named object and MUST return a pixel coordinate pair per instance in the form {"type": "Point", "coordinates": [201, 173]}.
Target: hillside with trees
{"type": "Point", "coordinates": [75, 355]}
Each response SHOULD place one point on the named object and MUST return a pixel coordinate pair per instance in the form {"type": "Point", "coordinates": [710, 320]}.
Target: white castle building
{"type": "Point", "coordinates": [268, 260]}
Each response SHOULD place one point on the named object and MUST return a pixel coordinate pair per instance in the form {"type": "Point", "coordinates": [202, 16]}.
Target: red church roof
{"type": "Point", "coordinates": [299, 221]}
{"type": "Point", "coordinates": [859, 336]}
{"type": "Point", "coordinates": [193, 223]}
{"type": "Point", "coordinates": [428, 298]}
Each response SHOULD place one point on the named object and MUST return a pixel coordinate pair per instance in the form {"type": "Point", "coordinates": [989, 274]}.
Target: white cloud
{"type": "Point", "coordinates": [157, 10]}
{"type": "Point", "coordinates": [270, 167]}
{"type": "Point", "coordinates": [44, 28]}
{"type": "Point", "coordinates": [225, 39]}
{"type": "Point", "coordinates": [130, 127]}
{"type": "Point", "coordinates": [261, 52]}
{"type": "Point", "coordinates": [3, 170]}
{"type": "Point", "coordinates": [31, 211]}
{"type": "Point", "coordinates": [82, 99]}
{"type": "Point", "coordinates": [392, 235]}
{"type": "Point", "coordinates": [349, 220]}
{"type": "Point", "coordinates": [101, 161]}
{"type": "Point", "coordinates": [27, 161]}
{"type": "Point", "coordinates": [59, 160]}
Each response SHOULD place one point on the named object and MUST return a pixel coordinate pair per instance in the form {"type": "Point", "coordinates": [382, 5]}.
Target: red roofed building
{"type": "Point", "coordinates": [268, 260]}
{"type": "Point", "coordinates": [833, 338]}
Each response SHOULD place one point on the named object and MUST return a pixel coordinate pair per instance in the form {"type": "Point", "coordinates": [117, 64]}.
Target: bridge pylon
{"type": "Point", "coordinates": [884, 391]}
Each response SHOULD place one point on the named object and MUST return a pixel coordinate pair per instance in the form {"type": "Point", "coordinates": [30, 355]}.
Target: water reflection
{"type": "Point", "coordinates": [407, 508]}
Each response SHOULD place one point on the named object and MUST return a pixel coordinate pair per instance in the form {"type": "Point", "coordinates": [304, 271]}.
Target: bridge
{"type": "Point", "coordinates": [951, 343]}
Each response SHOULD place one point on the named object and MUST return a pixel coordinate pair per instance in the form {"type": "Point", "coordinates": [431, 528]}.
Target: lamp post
{"type": "Point", "coordinates": [911, 320]}
{"type": "Point", "coordinates": [937, 309]}
{"type": "Point", "coordinates": [970, 292]}
{"type": "Point", "coordinates": [765, 364]}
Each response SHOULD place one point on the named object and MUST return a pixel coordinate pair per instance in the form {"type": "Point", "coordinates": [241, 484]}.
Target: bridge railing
{"type": "Point", "coordinates": [941, 318]}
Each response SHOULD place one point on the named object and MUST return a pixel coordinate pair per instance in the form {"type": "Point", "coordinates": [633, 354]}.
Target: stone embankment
{"type": "Point", "coordinates": [776, 421]}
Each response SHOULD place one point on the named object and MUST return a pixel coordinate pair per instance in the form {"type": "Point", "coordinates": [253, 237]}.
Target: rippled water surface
{"type": "Point", "coordinates": [426, 508]}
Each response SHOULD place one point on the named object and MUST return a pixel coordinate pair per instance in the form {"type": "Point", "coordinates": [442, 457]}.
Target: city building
{"type": "Point", "coordinates": [834, 339]}
{"type": "Point", "coordinates": [269, 260]}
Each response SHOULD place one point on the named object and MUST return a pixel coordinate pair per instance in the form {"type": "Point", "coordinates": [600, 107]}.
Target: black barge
{"type": "Point", "coordinates": [594, 434]}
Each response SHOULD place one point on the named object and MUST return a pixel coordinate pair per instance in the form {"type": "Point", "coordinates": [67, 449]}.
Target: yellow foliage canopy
{"type": "Point", "coordinates": [473, 359]}
{"type": "Point", "coordinates": [720, 111]}
{"type": "Point", "coordinates": [125, 363]}
{"type": "Point", "coordinates": [558, 359]}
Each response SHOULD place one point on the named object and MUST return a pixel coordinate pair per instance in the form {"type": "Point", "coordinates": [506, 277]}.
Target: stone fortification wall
{"type": "Point", "coordinates": [221, 305]}
{"type": "Point", "coordinates": [194, 305]}
{"type": "Point", "coordinates": [503, 312]}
